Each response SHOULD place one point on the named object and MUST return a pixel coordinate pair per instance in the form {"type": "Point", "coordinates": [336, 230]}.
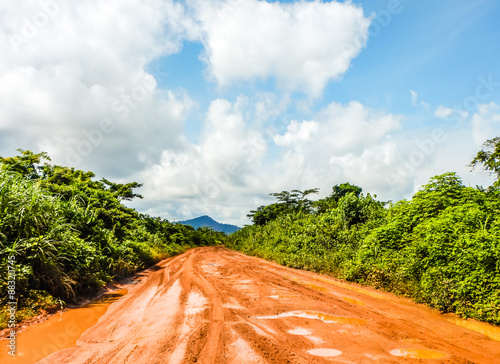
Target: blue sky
{"type": "Point", "coordinates": [438, 49]}
{"type": "Point", "coordinates": [213, 104]}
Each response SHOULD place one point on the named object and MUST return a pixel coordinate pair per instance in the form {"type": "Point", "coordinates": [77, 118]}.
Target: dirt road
{"type": "Point", "coordinates": [212, 305]}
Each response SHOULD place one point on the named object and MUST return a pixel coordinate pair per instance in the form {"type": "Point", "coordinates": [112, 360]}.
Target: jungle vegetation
{"type": "Point", "coordinates": [441, 247]}
{"type": "Point", "coordinates": [71, 234]}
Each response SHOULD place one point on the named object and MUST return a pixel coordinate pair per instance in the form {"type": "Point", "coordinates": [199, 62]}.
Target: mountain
{"type": "Point", "coordinates": [211, 223]}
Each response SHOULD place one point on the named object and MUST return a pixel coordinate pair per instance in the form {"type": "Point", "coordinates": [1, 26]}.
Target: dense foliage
{"type": "Point", "coordinates": [71, 234]}
{"type": "Point", "coordinates": [441, 248]}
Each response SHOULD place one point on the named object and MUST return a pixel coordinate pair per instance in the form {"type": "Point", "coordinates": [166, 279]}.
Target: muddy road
{"type": "Point", "coordinates": [212, 305]}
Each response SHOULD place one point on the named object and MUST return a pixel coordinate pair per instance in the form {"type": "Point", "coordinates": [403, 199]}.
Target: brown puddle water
{"type": "Point", "coordinates": [316, 287]}
{"type": "Point", "coordinates": [60, 331]}
{"type": "Point", "coordinates": [492, 332]}
{"type": "Point", "coordinates": [353, 288]}
{"type": "Point", "coordinates": [277, 297]}
{"type": "Point", "coordinates": [352, 300]}
{"type": "Point", "coordinates": [418, 354]}
{"type": "Point", "coordinates": [318, 316]}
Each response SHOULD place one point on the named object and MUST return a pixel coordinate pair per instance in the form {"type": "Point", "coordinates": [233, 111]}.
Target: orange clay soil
{"type": "Point", "coordinates": [213, 305]}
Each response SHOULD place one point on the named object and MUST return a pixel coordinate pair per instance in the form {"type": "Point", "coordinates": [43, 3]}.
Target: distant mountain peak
{"type": "Point", "coordinates": [207, 221]}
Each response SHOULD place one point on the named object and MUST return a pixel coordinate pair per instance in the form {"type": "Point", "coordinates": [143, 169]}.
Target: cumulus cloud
{"type": "Point", "coordinates": [303, 45]}
{"type": "Point", "coordinates": [73, 81]}
{"type": "Point", "coordinates": [233, 167]}
{"type": "Point", "coordinates": [297, 133]}
{"type": "Point", "coordinates": [343, 142]}
{"type": "Point", "coordinates": [218, 175]}
{"type": "Point", "coordinates": [486, 123]}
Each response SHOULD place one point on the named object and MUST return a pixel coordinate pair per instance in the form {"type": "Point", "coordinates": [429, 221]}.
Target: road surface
{"type": "Point", "coordinates": [213, 305]}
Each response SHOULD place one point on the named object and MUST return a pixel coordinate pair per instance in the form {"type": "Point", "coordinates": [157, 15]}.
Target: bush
{"type": "Point", "coordinates": [441, 248]}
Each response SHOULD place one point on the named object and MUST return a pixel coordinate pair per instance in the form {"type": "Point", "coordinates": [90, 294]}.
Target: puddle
{"type": "Point", "coordinates": [324, 352]}
{"type": "Point", "coordinates": [354, 288]}
{"type": "Point", "coordinates": [318, 316]}
{"type": "Point", "coordinates": [60, 331]}
{"type": "Point", "coordinates": [276, 297]}
{"type": "Point", "coordinates": [316, 287]}
{"type": "Point", "coordinates": [418, 354]}
{"type": "Point", "coordinates": [301, 332]}
{"type": "Point", "coordinates": [491, 331]}
{"type": "Point", "coordinates": [213, 264]}
{"type": "Point", "coordinates": [352, 300]}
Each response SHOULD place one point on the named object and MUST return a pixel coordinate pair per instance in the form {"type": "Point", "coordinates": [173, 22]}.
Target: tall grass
{"type": "Point", "coordinates": [72, 237]}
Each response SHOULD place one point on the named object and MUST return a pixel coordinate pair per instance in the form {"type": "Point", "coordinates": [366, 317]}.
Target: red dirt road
{"type": "Point", "coordinates": [212, 305]}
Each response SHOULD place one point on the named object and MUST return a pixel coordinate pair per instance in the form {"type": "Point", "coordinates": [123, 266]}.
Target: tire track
{"type": "Point", "coordinates": [212, 305]}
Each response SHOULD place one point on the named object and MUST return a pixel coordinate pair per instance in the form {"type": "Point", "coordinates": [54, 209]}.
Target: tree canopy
{"type": "Point", "coordinates": [489, 158]}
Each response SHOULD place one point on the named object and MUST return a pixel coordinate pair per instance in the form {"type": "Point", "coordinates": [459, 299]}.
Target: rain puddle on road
{"type": "Point", "coordinates": [60, 331]}
{"type": "Point", "coordinates": [491, 331]}
{"type": "Point", "coordinates": [418, 354]}
{"type": "Point", "coordinates": [315, 287]}
{"type": "Point", "coordinates": [352, 287]}
{"type": "Point", "coordinates": [324, 352]}
{"type": "Point", "coordinates": [277, 297]}
{"type": "Point", "coordinates": [352, 300]}
{"type": "Point", "coordinates": [318, 316]}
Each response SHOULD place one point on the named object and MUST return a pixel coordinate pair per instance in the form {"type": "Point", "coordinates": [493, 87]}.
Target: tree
{"type": "Point", "coordinates": [25, 164]}
{"type": "Point", "coordinates": [264, 214]}
{"type": "Point", "coordinates": [123, 191]}
{"type": "Point", "coordinates": [489, 157]}
{"type": "Point", "coordinates": [288, 202]}
{"type": "Point", "coordinates": [339, 191]}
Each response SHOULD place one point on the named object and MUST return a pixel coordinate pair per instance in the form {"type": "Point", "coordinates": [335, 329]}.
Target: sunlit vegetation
{"type": "Point", "coordinates": [71, 234]}
{"type": "Point", "coordinates": [441, 247]}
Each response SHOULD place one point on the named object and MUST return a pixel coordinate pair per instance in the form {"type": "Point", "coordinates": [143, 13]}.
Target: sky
{"type": "Point", "coordinates": [214, 104]}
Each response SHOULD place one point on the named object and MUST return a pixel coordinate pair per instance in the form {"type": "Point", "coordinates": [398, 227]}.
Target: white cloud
{"type": "Point", "coordinates": [232, 165]}
{"type": "Point", "coordinates": [79, 83]}
{"type": "Point", "coordinates": [297, 133]}
{"type": "Point", "coordinates": [220, 175]}
{"type": "Point", "coordinates": [68, 65]}
{"type": "Point", "coordinates": [342, 143]}
{"type": "Point", "coordinates": [414, 97]}
{"type": "Point", "coordinates": [443, 112]}
{"type": "Point", "coordinates": [486, 123]}
{"type": "Point", "coordinates": [414, 100]}
{"type": "Point", "coordinates": [353, 126]}
{"type": "Point", "coordinates": [303, 44]}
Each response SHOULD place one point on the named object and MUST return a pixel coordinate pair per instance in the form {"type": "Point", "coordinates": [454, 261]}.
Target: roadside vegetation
{"type": "Point", "coordinates": [441, 247]}
{"type": "Point", "coordinates": [71, 234]}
